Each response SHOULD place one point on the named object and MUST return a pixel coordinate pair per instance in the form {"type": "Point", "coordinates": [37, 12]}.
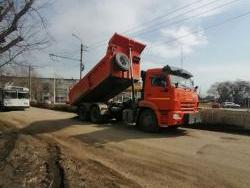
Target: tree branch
{"type": "Point", "coordinates": [11, 58]}
{"type": "Point", "coordinates": [13, 25]}
{"type": "Point", "coordinates": [10, 44]}
{"type": "Point", "coordinates": [6, 10]}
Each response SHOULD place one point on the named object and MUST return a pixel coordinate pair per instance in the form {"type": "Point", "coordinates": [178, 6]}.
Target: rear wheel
{"type": "Point", "coordinates": [83, 114]}
{"type": "Point", "coordinates": [118, 116]}
{"type": "Point", "coordinates": [95, 114]}
{"type": "Point", "coordinates": [148, 121]}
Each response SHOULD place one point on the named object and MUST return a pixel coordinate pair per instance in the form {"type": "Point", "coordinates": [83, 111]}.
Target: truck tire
{"type": "Point", "coordinates": [118, 116]}
{"type": "Point", "coordinates": [122, 61]}
{"type": "Point", "coordinates": [148, 121]}
{"type": "Point", "coordinates": [95, 114]}
{"type": "Point", "coordinates": [83, 113]}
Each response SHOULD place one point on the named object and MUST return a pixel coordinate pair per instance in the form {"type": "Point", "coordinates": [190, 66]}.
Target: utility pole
{"type": "Point", "coordinates": [54, 74]}
{"type": "Point", "coordinates": [30, 81]}
{"type": "Point", "coordinates": [248, 98]}
{"type": "Point", "coordinates": [81, 64]}
{"type": "Point", "coordinates": [82, 48]}
{"type": "Point", "coordinates": [54, 89]}
{"type": "Point", "coordinates": [181, 56]}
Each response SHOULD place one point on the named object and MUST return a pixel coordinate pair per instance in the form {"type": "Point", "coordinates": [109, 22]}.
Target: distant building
{"type": "Point", "coordinates": [42, 89]}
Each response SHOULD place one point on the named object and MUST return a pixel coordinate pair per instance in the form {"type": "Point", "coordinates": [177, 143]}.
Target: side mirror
{"type": "Point", "coordinates": [176, 84]}
{"type": "Point", "coordinates": [164, 85]}
{"type": "Point", "coordinates": [196, 88]}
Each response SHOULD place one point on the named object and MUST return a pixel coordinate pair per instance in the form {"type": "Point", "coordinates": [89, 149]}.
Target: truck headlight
{"type": "Point", "coordinates": [176, 116]}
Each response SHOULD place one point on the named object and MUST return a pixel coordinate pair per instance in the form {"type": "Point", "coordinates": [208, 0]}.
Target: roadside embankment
{"type": "Point", "coordinates": [57, 107]}
{"type": "Point", "coordinates": [239, 119]}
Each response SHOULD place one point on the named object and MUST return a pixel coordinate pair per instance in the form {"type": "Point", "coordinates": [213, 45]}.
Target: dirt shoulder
{"type": "Point", "coordinates": [38, 161]}
{"type": "Point", "coordinates": [44, 148]}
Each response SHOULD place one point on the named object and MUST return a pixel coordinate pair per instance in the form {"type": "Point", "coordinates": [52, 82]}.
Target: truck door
{"type": "Point", "coordinates": [158, 90]}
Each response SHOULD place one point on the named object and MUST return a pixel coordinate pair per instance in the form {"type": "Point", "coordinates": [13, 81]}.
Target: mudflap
{"type": "Point", "coordinates": [192, 118]}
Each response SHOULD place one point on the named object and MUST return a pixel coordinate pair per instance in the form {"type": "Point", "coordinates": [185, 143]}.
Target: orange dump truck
{"type": "Point", "coordinates": [168, 97]}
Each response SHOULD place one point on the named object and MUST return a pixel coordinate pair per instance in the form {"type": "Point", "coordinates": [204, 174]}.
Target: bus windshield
{"type": "Point", "coordinates": [23, 95]}
{"type": "Point", "coordinates": [181, 81]}
{"type": "Point", "coordinates": [10, 94]}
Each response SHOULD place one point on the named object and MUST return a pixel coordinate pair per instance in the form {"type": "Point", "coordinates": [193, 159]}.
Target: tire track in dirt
{"type": "Point", "coordinates": [29, 160]}
{"type": "Point", "coordinates": [56, 167]}
{"type": "Point", "coordinates": [23, 162]}
{"type": "Point", "coordinates": [8, 138]}
{"type": "Point", "coordinates": [84, 171]}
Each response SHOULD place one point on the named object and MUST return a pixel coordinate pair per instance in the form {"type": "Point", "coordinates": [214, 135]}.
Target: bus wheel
{"type": "Point", "coordinates": [148, 121]}
{"type": "Point", "coordinates": [95, 114]}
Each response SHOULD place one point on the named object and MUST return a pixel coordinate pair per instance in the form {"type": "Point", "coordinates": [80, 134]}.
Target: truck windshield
{"type": "Point", "coordinates": [23, 95]}
{"type": "Point", "coordinates": [10, 94]}
{"type": "Point", "coordinates": [181, 81]}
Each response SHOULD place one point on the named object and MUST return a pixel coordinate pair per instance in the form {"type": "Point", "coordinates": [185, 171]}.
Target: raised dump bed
{"type": "Point", "coordinates": [112, 74]}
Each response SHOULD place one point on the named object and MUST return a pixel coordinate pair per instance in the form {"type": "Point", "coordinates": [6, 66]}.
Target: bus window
{"type": "Point", "coordinates": [10, 94]}
{"type": "Point", "coordinates": [23, 95]}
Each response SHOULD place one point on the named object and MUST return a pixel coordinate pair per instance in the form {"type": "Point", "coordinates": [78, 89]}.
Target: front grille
{"type": "Point", "coordinates": [187, 106]}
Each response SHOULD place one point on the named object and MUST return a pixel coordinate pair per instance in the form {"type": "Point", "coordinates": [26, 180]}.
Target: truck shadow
{"type": "Point", "coordinates": [49, 126]}
{"type": "Point", "coordinates": [119, 132]}
{"type": "Point", "coordinates": [100, 134]}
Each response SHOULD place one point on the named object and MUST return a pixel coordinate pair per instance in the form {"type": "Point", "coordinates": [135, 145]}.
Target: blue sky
{"type": "Point", "coordinates": [219, 54]}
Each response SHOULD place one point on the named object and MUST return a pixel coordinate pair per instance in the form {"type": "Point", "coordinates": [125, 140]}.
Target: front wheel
{"type": "Point", "coordinates": [148, 121]}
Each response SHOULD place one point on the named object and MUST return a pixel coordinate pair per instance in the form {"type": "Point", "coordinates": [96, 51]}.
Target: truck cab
{"type": "Point", "coordinates": [169, 98]}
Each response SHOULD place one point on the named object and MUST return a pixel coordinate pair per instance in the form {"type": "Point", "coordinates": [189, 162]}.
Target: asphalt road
{"type": "Point", "coordinates": [116, 155]}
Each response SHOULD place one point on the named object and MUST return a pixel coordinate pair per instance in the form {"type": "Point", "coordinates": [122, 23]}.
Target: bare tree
{"type": "Point", "coordinates": [22, 28]}
{"type": "Point", "coordinates": [235, 91]}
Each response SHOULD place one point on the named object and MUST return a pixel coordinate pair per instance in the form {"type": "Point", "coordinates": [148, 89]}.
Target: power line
{"type": "Point", "coordinates": [63, 57]}
{"type": "Point", "coordinates": [180, 21]}
{"type": "Point", "coordinates": [177, 16]}
{"type": "Point", "coordinates": [205, 29]}
{"type": "Point", "coordinates": [164, 16]}
{"type": "Point", "coordinates": [182, 14]}
{"type": "Point", "coordinates": [152, 20]}
{"type": "Point", "coordinates": [185, 19]}
{"type": "Point", "coordinates": [11, 59]}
